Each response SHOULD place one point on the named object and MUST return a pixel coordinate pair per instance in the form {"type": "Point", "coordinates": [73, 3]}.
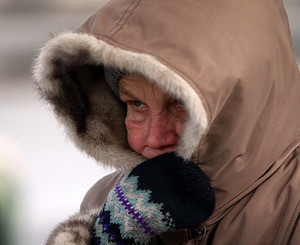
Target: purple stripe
{"type": "Point", "coordinates": [135, 214]}
{"type": "Point", "coordinates": [106, 228]}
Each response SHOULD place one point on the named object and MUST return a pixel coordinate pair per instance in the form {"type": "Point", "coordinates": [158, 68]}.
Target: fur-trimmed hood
{"type": "Point", "coordinates": [230, 62]}
{"type": "Point", "coordinates": [69, 74]}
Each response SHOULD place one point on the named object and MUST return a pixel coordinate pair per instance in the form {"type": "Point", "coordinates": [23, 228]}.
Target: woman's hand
{"type": "Point", "coordinates": [162, 194]}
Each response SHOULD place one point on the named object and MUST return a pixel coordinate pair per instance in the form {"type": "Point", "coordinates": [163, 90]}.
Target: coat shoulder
{"type": "Point", "coordinates": [77, 228]}
{"type": "Point", "coordinates": [97, 194]}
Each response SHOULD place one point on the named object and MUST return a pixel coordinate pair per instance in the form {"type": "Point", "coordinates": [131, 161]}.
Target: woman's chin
{"type": "Point", "coordinates": [150, 152]}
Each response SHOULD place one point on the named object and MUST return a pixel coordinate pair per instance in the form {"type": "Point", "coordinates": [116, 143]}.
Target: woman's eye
{"type": "Point", "coordinates": [180, 103]}
{"type": "Point", "coordinates": [179, 108]}
{"type": "Point", "coordinates": [138, 104]}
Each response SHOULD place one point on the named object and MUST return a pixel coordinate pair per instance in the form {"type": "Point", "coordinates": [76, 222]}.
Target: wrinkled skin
{"type": "Point", "coordinates": [154, 120]}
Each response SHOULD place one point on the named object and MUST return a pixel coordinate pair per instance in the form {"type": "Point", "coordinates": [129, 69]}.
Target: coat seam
{"type": "Point", "coordinates": [122, 19]}
{"type": "Point", "coordinates": [293, 229]}
{"type": "Point", "coordinates": [286, 236]}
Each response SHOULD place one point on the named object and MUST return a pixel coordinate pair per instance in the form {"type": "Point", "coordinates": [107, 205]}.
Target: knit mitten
{"type": "Point", "coordinates": [162, 194]}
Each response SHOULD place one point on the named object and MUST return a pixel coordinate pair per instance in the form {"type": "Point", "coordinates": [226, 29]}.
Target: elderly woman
{"type": "Point", "coordinates": [163, 90]}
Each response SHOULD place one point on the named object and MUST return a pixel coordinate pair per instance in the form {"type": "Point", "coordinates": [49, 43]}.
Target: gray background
{"type": "Point", "coordinates": [49, 176]}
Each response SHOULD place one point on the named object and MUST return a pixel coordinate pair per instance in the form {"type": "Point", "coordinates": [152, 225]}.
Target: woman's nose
{"type": "Point", "coordinates": [161, 131]}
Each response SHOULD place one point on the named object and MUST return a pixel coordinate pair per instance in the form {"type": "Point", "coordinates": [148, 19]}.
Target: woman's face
{"type": "Point", "coordinates": [154, 120]}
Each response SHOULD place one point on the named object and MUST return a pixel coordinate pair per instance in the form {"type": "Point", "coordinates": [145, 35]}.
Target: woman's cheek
{"type": "Point", "coordinates": [136, 133]}
{"type": "Point", "coordinates": [179, 126]}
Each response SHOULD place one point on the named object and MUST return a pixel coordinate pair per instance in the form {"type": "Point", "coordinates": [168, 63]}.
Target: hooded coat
{"type": "Point", "coordinates": [231, 63]}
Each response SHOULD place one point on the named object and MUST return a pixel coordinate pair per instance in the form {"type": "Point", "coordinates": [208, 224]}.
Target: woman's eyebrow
{"type": "Point", "coordinates": [126, 92]}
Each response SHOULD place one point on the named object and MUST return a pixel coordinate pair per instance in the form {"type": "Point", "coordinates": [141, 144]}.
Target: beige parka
{"type": "Point", "coordinates": [231, 63]}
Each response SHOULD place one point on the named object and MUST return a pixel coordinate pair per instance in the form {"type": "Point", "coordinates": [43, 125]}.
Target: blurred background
{"type": "Point", "coordinates": [43, 178]}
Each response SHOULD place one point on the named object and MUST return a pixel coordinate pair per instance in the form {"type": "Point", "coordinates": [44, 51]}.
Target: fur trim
{"type": "Point", "coordinates": [69, 74]}
{"type": "Point", "coordinates": [76, 230]}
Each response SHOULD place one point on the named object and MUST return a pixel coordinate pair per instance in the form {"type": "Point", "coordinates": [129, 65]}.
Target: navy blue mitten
{"type": "Point", "coordinates": [162, 194]}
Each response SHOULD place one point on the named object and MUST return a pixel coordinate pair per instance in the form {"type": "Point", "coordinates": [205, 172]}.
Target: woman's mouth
{"type": "Point", "coordinates": [150, 152]}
